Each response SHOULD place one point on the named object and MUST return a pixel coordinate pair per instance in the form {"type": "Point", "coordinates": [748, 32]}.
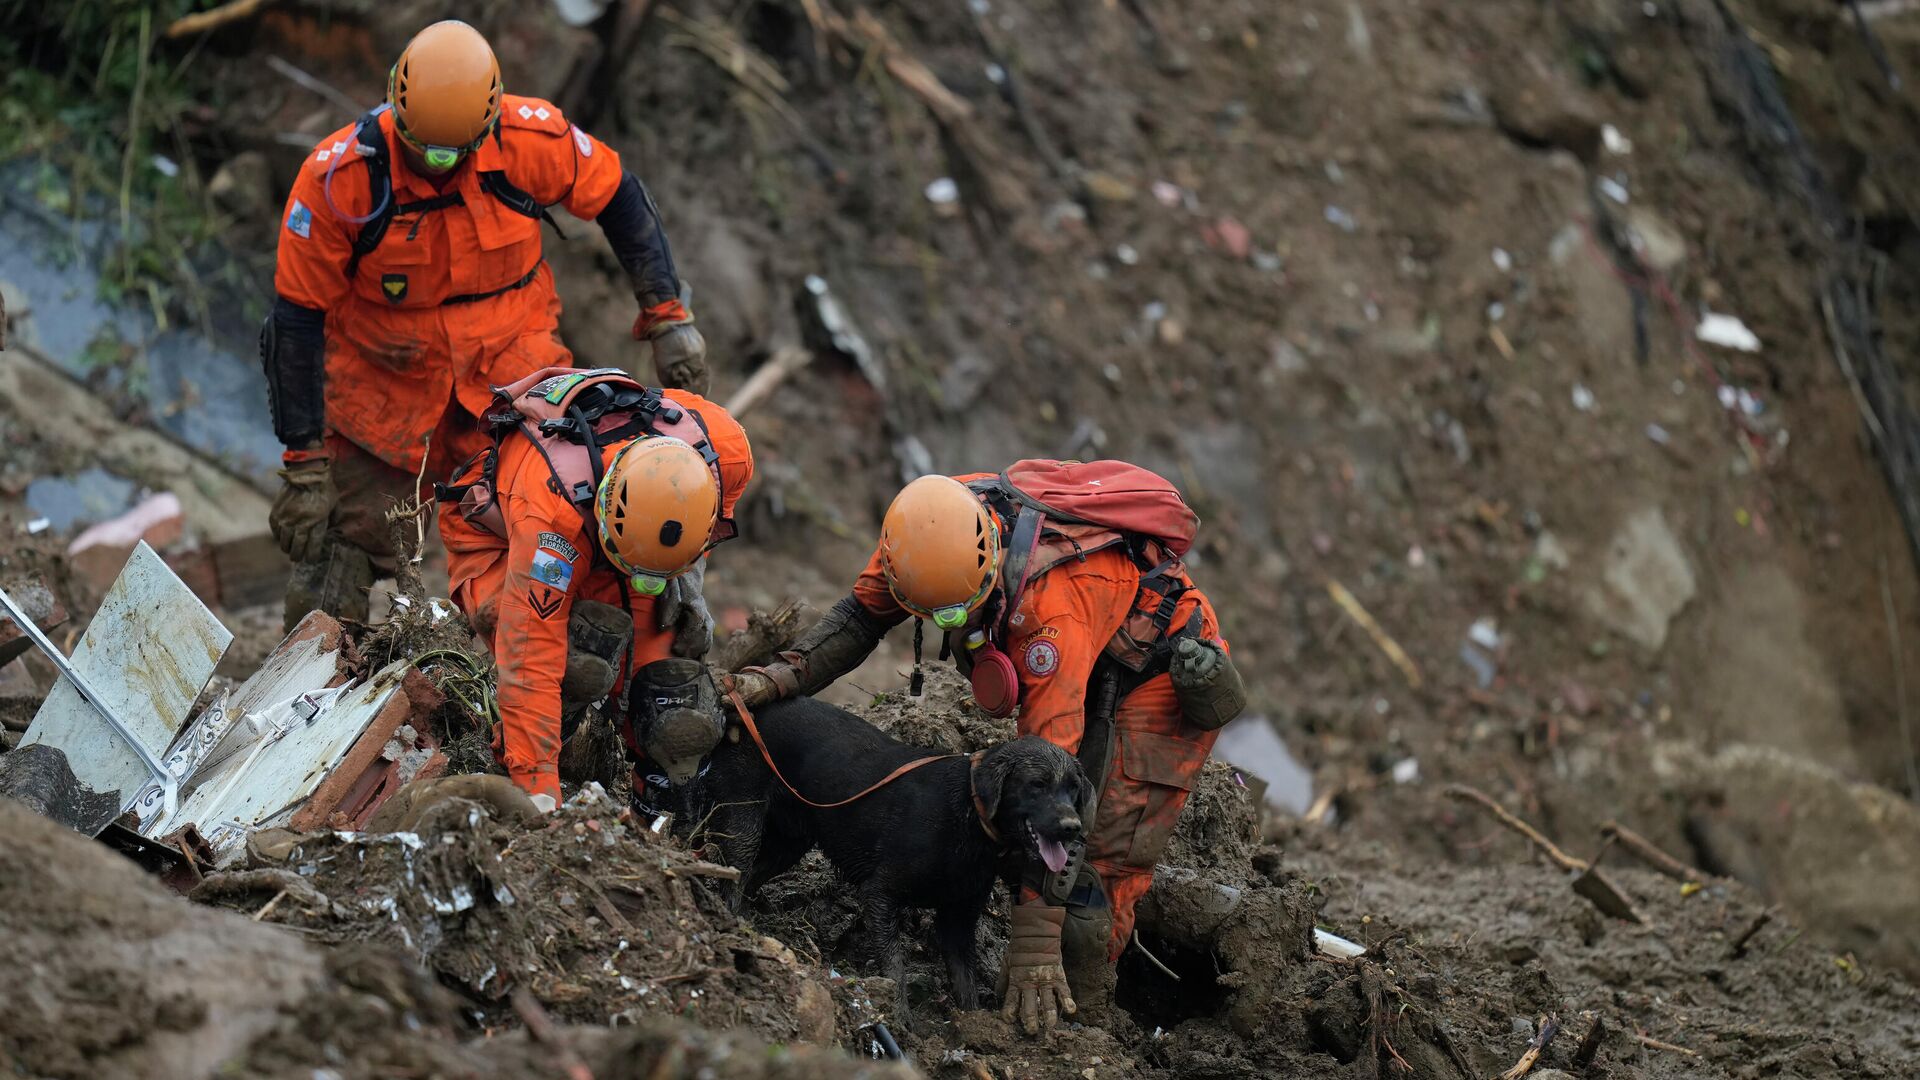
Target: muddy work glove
{"type": "Point", "coordinates": [679, 349]}
{"type": "Point", "coordinates": [302, 510]}
{"type": "Point", "coordinates": [1035, 990]}
{"type": "Point", "coordinates": [758, 686]}
{"type": "Point", "coordinates": [682, 608]}
{"type": "Point", "coordinates": [680, 359]}
{"type": "Point", "coordinates": [1207, 683]}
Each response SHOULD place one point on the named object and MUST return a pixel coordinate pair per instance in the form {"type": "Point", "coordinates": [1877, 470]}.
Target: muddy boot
{"type": "Point", "coordinates": [337, 585]}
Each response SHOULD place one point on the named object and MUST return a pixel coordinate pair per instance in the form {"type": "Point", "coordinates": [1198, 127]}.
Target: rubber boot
{"type": "Point", "coordinates": [337, 585]}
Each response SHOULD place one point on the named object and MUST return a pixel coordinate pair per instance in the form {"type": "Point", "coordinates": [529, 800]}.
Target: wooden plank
{"type": "Point", "coordinates": [148, 651]}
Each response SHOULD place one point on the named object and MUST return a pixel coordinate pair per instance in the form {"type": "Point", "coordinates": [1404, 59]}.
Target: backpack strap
{"type": "Point", "coordinates": [496, 184]}
{"type": "Point", "coordinates": [380, 190]}
{"type": "Point", "coordinates": [373, 143]}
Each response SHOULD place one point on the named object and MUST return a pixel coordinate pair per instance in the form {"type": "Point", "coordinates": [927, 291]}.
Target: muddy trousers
{"type": "Point", "coordinates": [359, 547]}
{"type": "Point", "coordinates": [1157, 757]}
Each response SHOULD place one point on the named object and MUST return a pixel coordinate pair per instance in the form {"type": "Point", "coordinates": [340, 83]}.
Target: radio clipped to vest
{"type": "Point", "coordinates": [571, 416]}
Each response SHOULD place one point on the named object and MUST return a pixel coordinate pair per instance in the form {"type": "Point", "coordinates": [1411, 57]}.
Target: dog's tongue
{"type": "Point", "coordinates": [1053, 853]}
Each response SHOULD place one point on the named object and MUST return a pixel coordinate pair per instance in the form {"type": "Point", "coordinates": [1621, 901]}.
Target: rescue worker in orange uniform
{"type": "Point", "coordinates": [1142, 735]}
{"type": "Point", "coordinates": [409, 282]}
{"type": "Point", "coordinates": [580, 562]}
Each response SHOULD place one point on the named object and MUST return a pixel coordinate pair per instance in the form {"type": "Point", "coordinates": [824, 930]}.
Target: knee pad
{"type": "Point", "coordinates": [599, 637]}
{"type": "Point", "coordinates": [674, 708]}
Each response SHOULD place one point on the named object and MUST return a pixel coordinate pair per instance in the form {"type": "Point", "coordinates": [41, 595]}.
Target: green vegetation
{"type": "Point", "coordinates": [99, 105]}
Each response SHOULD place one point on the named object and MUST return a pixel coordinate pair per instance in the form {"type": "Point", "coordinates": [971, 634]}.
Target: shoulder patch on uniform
{"type": "Point", "coordinates": [559, 545]}
{"type": "Point", "coordinates": [300, 220]}
{"type": "Point", "coordinates": [551, 574]}
{"type": "Point", "coordinates": [553, 569]}
{"type": "Point", "coordinates": [1041, 657]}
{"type": "Point", "coordinates": [581, 140]}
{"type": "Point", "coordinates": [532, 114]}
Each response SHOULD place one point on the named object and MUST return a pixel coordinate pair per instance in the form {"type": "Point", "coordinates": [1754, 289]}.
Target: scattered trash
{"type": "Point", "coordinates": [829, 328]}
{"type": "Point", "coordinates": [1659, 435]}
{"type": "Point", "coordinates": [943, 192]}
{"type": "Point", "coordinates": [1416, 557]}
{"type": "Point", "coordinates": [1726, 331]}
{"type": "Point", "coordinates": [1582, 397]}
{"type": "Point", "coordinates": [1127, 255]}
{"type": "Point", "coordinates": [1169, 194]}
{"type": "Point", "coordinates": [1485, 632]}
{"type": "Point", "coordinates": [1502, 261]}
{"type": "Point", "coordinates": [165, 166]}
{"type": "Point", "coordinates": [1613, 189]}
{"type": "Point", "coordinates": [1406, 770]}
{"type": "Point", "coordinates": [1227, 234]}
{"type": "Point", "coordinates": [1329, 945]}
{"type": "Point", "coordinates": [98, 553]}
{"type": "Point", "coordinates": [1615, 142]}
{"type": "Point", "coordinates": [580, 12]}
{"type": "Point", "coordinates": [1268, 262]}
{"type": "Point", "coordinates": [1252, 745]}
{"type": "Point", "coordinates": [1500, 342]}
{"type": "Point", "coordinates": [1340, 219]}
{"type": "Point", "coordinates": [38, 525]}
{"type": "Point", "coordinates": [1484, 669]}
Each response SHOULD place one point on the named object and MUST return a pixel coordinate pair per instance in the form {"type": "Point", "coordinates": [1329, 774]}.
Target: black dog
{"type": "Point", "coordinates": [921, 841]}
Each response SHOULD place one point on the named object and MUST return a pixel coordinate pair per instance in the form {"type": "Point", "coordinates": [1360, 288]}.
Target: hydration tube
{"type": "Point", "coordinates": [353, 146]}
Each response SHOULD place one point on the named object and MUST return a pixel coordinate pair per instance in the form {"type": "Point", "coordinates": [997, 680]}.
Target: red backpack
{"type": "Point", "coordinates": [1062, 510]}
{"type": "Point", "coordinates": [1114, 494]}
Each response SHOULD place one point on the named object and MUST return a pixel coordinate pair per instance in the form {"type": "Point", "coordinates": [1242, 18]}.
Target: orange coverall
{"type": "Point", "coordinates": [1065, 618]}
{"type": "Point", "coordinates": [523, 619]}
{"type": "Point", "coordinates": [401, 361]}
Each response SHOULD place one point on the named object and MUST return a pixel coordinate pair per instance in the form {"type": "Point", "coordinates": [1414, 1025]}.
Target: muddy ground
{"type": "Point", "coordinates": [1404, 294]}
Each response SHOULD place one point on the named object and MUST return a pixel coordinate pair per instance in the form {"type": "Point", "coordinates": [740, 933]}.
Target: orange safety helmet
{"type": "Point", "coordinates": [940, 550]}
{"type": "Point", "coordinates": [657, 506]}
{"type": "Point", "coordinates": [445, 91]}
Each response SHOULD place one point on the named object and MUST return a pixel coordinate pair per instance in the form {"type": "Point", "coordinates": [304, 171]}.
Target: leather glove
{"type": "Point", "coordinates": [682, 608]}
{"type": "Point", "coordinates": [302, 510]}
{"type": "Point", "coordinates": [754, 688]}
{"type": "Point", "coordinates": [680, 358]}
{"type": "Point", "coordinates": [1035, 988]}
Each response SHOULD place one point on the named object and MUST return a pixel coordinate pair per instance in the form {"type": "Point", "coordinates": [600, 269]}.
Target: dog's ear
{"type": "Point", "coordinates": [990, 778]}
